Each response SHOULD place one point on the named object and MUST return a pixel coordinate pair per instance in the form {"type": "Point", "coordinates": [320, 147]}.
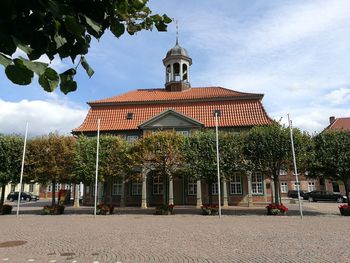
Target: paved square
{"type": "Point", "coordinates": [178, 238]}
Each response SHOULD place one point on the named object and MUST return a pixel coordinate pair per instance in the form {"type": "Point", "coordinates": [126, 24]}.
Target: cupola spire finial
{"type": "Point", "coordinates": [177, 32]}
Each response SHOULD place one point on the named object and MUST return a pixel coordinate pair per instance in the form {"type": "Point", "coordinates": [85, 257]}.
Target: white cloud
{"type": "Point", "coordinates": [43, 117]}
{"type": "Point", "coordinates": [339, 96]}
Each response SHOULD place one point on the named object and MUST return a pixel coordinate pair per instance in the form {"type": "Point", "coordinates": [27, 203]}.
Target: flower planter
{"type": "Point", "coordinates": [103, 209]}
{"type": "Point", "coordinates": [210, 210]}
{"type": "Point", "coordinates": [165, 210]}
{"type": "Point", "coordinates": [5, 209]}
{"type": "Point", "coordinates": [276, 209]}
{"type": "Point", "coordinates": [344, 210]}
{"type": "Point", "coordinates": [53, 210]}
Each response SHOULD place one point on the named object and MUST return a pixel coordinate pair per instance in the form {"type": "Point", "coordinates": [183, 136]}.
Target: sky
{"type": "Point", "coordinates": [297, 53]}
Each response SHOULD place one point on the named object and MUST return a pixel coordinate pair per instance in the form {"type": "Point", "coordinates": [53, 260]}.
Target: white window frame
{"type": "Point", "coordinates": [214, 188]}
{"type": "Point", "coordinates": [136, 187]}
{"type": "Point", "coordinates": [284, 187]}
{"type": "Point", "coordinates": [236, 184]}
{"type": "Point", "coordinates": [295, 185]}
{"type": "Point", "coordinates": [192, 186]}
{"type": "Point", "coordinates": [131, 138]}
{"type": "Point", "coordinates": [117, 186]}
{"type": "Point", "coordinates": [185, 133]}
{"type": "Point", "coordinates": [311, 186]}
{"type": "Point", "coordinates": [157, 188]}
{"type": "Point", "coordinates": [257, 183]}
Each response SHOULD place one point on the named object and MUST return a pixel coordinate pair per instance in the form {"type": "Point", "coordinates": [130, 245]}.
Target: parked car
{"type": "Point", "coordinates": [33, 196]}
{"type": "Point", "coordinates": [294, 193]}
{"type": "Point", "coordinates": [14, 196]}
{"type": "Point", "coordinates": [315, 196]}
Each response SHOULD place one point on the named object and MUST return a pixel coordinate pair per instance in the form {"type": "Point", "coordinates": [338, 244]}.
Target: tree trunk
{"type": "Point", "coordinates": [277, 199]}
{"type": "Point", "coordinates": [210, 192]}
{"type": "Point", "coordinates": [53, 192]}
{"type": "Point", "coordinates": [346, 185]}
{"type": "Point", "coordinates": [2, 200]}
{"type": "Point", "coordinates": [165, 192]}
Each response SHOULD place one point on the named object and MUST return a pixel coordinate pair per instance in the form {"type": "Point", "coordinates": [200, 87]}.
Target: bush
{"type": "Point", "coordinates": [53, 210]}
{"type": "Point", "coordinates": [5, 209]}
{"type": "Point", "coordinates": [344, 210]}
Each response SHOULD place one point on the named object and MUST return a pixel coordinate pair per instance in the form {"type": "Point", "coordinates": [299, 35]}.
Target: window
{"type": "Point", "coordinates": [295, 185]}
{"type": "Point", "coordinates": [257, 183]}
{"type": "Point", "coordinates": [57, 187]}
{"type": "Point", "coordinates": [129, 116]}
{"type": "Point", "coordinates": [116, 186]}
{"type": "Point", "coordinates": [283, 172]}
{"type": "Point", "coordinates": [136, 187]}
{"type": "Point", "coordinates": [49, 188]}
{"type": "Point", "coordinates": [31, 188]}
{"type": "Point", "coordinates": [235, 184]}
{"type": "Point", "coordinates": [284, 187]}
{"type": "Point", "coordinates": [157, 185]}
{"type": "Point", "coordinates": [184, 133]}
{"type": "Point", "coordinates": [67, 187]}
{"type": "Point", "coordinates": [131, 138]}
{"type": "Point", "coordinates": [192, 186]}
{"type": "Point", "coordinates": [311, 186]}
{"type": "Point", "coordinates": [215, 188]}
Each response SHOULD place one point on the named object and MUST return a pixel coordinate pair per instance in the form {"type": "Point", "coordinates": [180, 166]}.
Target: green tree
{"type": "Point", "coordinates": [11, 150]}
{"type": "Point", "coordinates": [332, 157]}
{"type": "Point", "coordinates": [50, 160]}
{"type": "Point", "coordinates": [162, 153]}
{"type": "Point", "coordinates": [64, 28]}
{"type": "Point", "coordinates": [269, 149]}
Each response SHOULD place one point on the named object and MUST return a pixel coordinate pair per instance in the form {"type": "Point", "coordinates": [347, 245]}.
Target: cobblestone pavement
{"type": "Point", "coordinates": [319, 237]}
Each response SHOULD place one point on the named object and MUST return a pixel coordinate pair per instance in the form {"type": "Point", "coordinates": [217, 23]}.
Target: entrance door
{"type": "Point", "coordinates": [178, 191]}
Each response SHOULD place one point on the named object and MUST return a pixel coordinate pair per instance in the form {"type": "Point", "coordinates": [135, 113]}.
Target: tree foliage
{"type": "Point", "coordinates": [64, 28]}
{"type": "Point", "coordinates": [162, 153]}
{"type": "Point", "coordinates": [113, 158]}
{"type": "Point", "coordinates": [50, 159]}
{"type": "Point", "coordinates": [332, 156]}
{"type": "Point", "coordinates": [269, 149]}
{"type": "Point", "coordinates": [11, 150]}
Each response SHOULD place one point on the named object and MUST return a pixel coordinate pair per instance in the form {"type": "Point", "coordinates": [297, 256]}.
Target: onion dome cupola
{"type": "Point", "coordinates": [177, 69]}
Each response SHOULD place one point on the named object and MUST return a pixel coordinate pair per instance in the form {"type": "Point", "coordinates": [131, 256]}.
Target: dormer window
{"type": "Point", "coordinates": [217, 113]}
{"type": "Point", "coordinates": [129, 116]}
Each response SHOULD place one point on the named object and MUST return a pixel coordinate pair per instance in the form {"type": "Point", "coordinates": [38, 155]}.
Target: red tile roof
{"type": "Point", "coordinates": [340, 124]}
{"type": "Point", "coordinates": [158, 95]}
{"type": "Point", "coordinates": [234, 113]}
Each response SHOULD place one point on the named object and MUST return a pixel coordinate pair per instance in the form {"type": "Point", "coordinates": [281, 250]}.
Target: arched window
{"type": "Point", "coordinates": [184, 72]}
{"type": "Point", "coordinates": [176, 71]}
{"type": "Point", "coordinates": [168, 73]}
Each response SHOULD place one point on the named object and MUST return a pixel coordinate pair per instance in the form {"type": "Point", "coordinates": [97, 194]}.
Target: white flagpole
{"type": "Point", "coordinates": [96, 178]}
{"type": "Point", "coordinates": [22, 169]}
{"type": "Point", "coordinates": [295, 167]}
{"type": "Point", "coordinates": [218, 160]}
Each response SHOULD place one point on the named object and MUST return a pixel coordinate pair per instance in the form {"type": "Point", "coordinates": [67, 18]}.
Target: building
{"type": "Point", "coordinates": [334, 125]}
{"type": "Point", "coordinates": [182, 108]}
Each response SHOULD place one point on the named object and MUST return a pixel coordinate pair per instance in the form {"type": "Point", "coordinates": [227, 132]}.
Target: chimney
{"type": "Point", "coordinates": [331, 119]}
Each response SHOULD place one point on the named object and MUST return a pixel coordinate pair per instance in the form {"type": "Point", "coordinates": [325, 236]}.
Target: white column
{"type": "Point", "coordinates": [225, 193]}
{"type": "Point", "coordinates": [250, 197]}
{"type": "Point", "coordinates": [171, 191]}
{"type": "Point", "coordinates": [181, 77]}
{"type": "Point", "coordinates": [172, 76]}
{"type": "Point", "coordinates": [122, 196]}
{"type": "Point", "coordinates": [144, 190]}
{"type": "Point", "coordinates": [199, 194]}
{"type": "Point", "coordinates": [76, 196]}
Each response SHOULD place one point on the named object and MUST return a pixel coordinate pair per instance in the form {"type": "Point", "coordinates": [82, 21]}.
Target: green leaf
{"type": "Point", "coordinates": [60, 41]}
{"type": "Point", "coordinates": [117, 28]}
{"type": "Point", "coordinates": [86, 66]}
{"type": "Point", "coordinates": [167, 19]}
{"type": "Point", "coordinates": [68, 86]}
{"type": "Point", "coordinates": [67, 83]}
{"type": "Point", "coordinates": [93, 25]}
{"type": "Point", "coordinates": [73, 26]}
{"type": "Point", "coordinates": [49, 80]}
{"type": "Point", "coordinates": [18, 73]}
{"type": "Point", "coordinates": [161, 26]}
{"type": "Point", "coordinates": [5, 61]}
{"type": "Point", "coordinates": [37, 67]}
{"type": "Point", "coordinates": [27, 49]}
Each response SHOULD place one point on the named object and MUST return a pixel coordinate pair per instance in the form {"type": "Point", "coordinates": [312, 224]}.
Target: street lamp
{"type": "Point", "coordinates": [217, 114]}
